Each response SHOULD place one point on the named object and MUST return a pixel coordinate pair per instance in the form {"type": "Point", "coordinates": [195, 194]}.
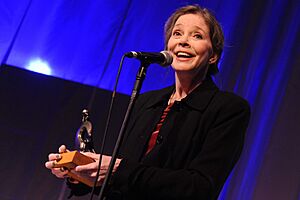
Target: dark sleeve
{"type": "Point", "coordinates": [80, 189]}
{"type": "Point", "coordinates": [206, 173]}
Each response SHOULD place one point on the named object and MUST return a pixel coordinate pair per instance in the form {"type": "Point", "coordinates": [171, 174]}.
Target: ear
{"type": "Point", "coordinates": [213, 59]}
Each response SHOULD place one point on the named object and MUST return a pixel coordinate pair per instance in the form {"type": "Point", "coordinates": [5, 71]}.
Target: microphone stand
{"type": "Point", "coordinates": [135, 92]}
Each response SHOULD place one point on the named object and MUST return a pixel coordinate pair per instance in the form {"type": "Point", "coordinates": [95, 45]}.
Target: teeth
{"type": "Point", "coordinates": [183, 54]}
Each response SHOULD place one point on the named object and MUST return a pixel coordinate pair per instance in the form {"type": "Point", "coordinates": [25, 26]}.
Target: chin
{"type": "Point", "coordinates": [184, 67]}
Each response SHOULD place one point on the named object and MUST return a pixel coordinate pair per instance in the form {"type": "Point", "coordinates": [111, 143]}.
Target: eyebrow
{"type": "Point", "coordinates": [198, 27]}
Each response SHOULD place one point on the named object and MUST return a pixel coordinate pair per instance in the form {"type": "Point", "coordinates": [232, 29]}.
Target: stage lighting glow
{"type": "Point", "coordinates": [39, 66]}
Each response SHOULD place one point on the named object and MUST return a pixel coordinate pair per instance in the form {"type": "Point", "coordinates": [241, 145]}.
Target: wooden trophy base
{"type": "Point", "coordinates": [72, 159]}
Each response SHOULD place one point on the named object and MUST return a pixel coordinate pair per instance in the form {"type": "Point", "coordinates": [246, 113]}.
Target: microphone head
{"type": "Point", "coordinates": [168, 58]}
{"type": "Point", "coordinates": [163, 58]}
{"type": "Point", "coordinates": [131, 54]}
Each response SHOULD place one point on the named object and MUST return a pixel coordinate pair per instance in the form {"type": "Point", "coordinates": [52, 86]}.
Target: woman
{"type": "Point", "coordinates": [182, 141]}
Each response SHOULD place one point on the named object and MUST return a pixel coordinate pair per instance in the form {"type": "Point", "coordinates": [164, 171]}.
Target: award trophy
{"type": "Point", "coordinates": [69, 160]}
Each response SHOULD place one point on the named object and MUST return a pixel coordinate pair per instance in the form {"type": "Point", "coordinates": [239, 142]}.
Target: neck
{"type": "Point", "coordinates": [184, 84]}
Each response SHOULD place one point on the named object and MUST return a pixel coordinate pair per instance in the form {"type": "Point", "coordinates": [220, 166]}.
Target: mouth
{"type": "Point", "coordinates": [181, 54]}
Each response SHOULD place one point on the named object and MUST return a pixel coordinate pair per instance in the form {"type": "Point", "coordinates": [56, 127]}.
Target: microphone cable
{"type": "Point", "coordinates": [107, 125]}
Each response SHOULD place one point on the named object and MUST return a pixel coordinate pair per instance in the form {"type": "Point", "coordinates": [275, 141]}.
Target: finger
{"type": "Point", "coordinates": [54, 156]}
{"type": "Point", "coordinates": [59, 173]}
{"type": "Point", "coordinates": [102, 173]}
{"type": "Point", "coordinates": [91, 155]}
{"type": "Point", "coordinates": [63, 149]}
{"type": "Point", "coordinates": [50, 164]}
{"type": "Point", "coordinates": [101, 179]}
{"type": "Point", "coordinates": [88, 167]}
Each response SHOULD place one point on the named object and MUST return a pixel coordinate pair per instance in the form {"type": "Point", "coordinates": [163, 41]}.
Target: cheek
{"type": "Point", "coordinates": [203, 56]}
{"type": "Point", "coordinates": [170, 44]}
{"type": "Point", "coordinates": [203, 50]}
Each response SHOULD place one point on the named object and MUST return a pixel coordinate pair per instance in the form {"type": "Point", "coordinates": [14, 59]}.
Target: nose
{"type": "Point", "coordinates": [184, 41]}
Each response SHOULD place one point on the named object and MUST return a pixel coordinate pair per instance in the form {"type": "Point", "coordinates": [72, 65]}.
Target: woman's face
{"type": "Point", "coordinates": [190, 44]}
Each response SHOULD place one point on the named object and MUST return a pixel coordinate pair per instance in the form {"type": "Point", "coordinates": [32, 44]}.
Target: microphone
{"type": "Point", "coordinates": [163, 58]}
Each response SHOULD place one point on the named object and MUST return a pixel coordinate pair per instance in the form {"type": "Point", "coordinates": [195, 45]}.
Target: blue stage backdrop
{"type": "Point", "coordinates": [83, 41]}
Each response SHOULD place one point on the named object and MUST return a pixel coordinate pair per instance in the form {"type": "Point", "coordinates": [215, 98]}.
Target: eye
{"type": "Point", "coordinates": [198, 36]}
{"type": "Point", "coordinates": [176, 33]}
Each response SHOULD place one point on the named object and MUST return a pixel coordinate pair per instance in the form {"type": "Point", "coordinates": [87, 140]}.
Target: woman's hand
{"type": "Point", "coordinates": [90, 170]}
{"type": "Point", "coordinates": [52, 160]}
{"type": "Point", "coordinates": [87, 171]}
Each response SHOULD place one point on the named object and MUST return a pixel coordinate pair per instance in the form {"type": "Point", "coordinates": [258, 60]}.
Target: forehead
{"type": "Point", "coordinates": [192, 21]}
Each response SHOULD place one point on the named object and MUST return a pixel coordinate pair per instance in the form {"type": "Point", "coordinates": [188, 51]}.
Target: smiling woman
{"type": "Point", "coordinates": [206, 27]}
{"type": "Point", "coordinates": [182, 141]}
{"type": "Point", "coordinates": [196, 40]}
{"type": "Point", "coordinates": [190, 43]}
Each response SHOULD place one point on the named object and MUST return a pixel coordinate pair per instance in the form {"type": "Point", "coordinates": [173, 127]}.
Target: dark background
{"type": "Point", "coordinates": [38, 114]}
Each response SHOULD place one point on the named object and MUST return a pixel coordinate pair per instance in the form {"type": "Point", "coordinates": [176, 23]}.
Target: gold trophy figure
{"type": "Point", "coordinates": [69, 160]}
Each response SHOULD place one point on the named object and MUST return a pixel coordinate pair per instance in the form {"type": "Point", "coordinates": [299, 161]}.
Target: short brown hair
{"type": "Point", "coordinates": [215, 30]}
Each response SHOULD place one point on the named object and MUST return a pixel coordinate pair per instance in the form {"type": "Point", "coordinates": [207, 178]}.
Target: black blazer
{"type": "Point", "coordinates": [198, 145]}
